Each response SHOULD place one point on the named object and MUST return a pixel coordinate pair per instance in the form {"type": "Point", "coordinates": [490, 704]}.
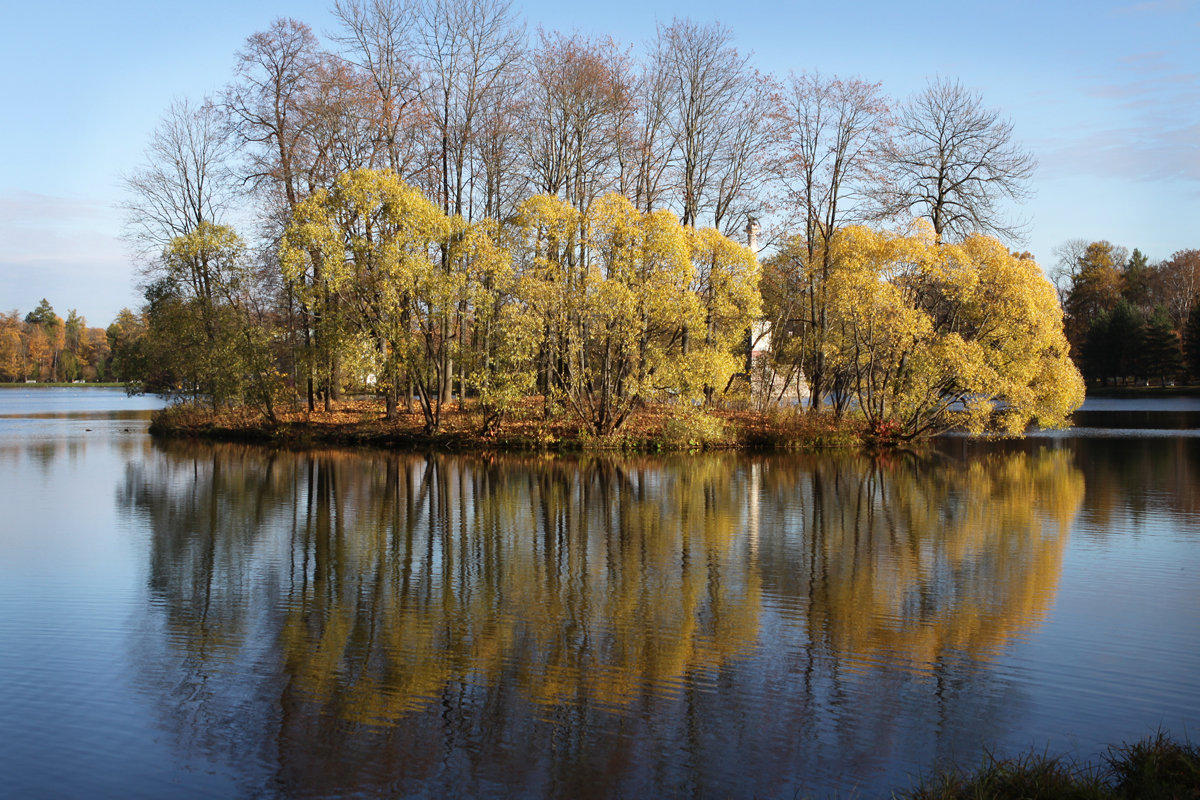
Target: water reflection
{"type": "Point", "coordinates": [919, 560]}
{"type": "Point", "coordinates": [394, 623]}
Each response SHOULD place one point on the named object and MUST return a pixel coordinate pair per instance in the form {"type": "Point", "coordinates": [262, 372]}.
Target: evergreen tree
{"type": "Point", "coordinates": [1113, 346]}
{"type": "Point", "coordinates": [1162, 353]}
{"type": "Point", "coordinates": [1191, 342]}
{"type": "Point", "coordinates": [43, 315]}
{"type": "Point", "coordinates": [1137, 275]}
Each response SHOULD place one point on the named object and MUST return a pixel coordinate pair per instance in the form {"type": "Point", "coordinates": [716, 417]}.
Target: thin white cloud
{"type": "Point", "coordinates": [32, 208]}
{"type": "Point", "coordinates": [64, 249]}
{"type": "Point", "coordinates": [1154, 7]}
{"type": "Point", "coordinates": [1137, 154]}
{"type": "Point", "coordinates": [1139, 123]}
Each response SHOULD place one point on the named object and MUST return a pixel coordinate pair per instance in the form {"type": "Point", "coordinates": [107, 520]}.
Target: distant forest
{"type": "Point", "coordinates": [42, 346]}
{"type": "Point", "coordinates": [1128, 319]}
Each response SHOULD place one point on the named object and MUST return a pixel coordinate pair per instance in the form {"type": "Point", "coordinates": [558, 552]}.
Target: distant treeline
{"type": "Point", "coordinates": [1128, 319]}
{"type": "Point", "coordinates": [42, 346]}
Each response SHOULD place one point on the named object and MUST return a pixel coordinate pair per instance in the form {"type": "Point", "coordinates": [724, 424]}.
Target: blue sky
{"type": "Point", "coordinates": [1106, 94]}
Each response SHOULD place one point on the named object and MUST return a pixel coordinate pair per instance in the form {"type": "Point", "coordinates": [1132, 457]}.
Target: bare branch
{"type": "Point", "coordinates": [955, 161]}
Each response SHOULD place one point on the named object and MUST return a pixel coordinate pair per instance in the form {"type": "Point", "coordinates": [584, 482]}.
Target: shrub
{"type": "Point", "coordinates": [691, 429]}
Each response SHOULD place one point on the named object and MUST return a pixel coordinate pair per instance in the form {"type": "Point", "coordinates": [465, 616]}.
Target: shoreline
{"type": "Point", "coordinates": [63, 385]}
{"type": "Point", "coordinates": [1186, 390]}
{"type": "Point", "coordinates": [652, 429]}
{"type": "Point", "coordinates": [1157, 766]}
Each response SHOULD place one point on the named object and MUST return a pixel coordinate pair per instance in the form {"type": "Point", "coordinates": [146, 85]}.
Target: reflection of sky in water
{"type": "Point", "coordinates": [1134, 417]}
{"type": "Point", "coordinates": [55, 415]}
{"type": "Point", "coordinates": [72, 402]}
{"type": "Point", "coordinates": [1086, 432]}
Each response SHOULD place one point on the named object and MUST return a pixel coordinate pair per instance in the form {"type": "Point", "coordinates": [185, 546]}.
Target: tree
{"type": "Point", "coordinates": [269, 103]}
{"type": "Point", "coordinates": [934, 336]}
{"type": "Point", "coordinates": [1136, 278]}
{"type": "Point", "coordinates": [1178, 282]}
{"type": "Point", "coordinates": [1162, 349]}
{"type": "Point", "coordinates": [126, 340]}
{"type": "Point", "coordinates": [1191, 342]}
{"type": "Point", "coordinates": [955, 161]}
{"type": "Point", "coordinates": [646, 146]}
{"type": "Point", "coordinates": [279, 103]}
{"type": "Point", "coordinates": [725, 281]}
{"type": "Point", "coordinates": [577, 99]}
{"type": "Point", "coordinates": [1067, 258]}
{"type": "Point", "coordinates": [468, 48]}
{"type": "Point", "coordinates": [186, 178]}
{"type": "Point", "coordinates": [1112, 348]}
{"type": "Point", "coordinates": [74, 355]}
{"type": "Point", "coordinates": [830, 133]}
{"type": "Point", "coordinates": [379, 35]}
{"type": "Point", "coordinates": [205, 337]}
{"type": "Point", "coordinates": [392, 309]}
{"type": "Point", "coordinates": [46, 341]}
{"type": "Point", "coordinates": [12, 347]}
{"type": "Point", "coordinates": [99, 356]}
{"type": "Point", "coordinates": [1095, 288]}
{"type": "Point", "coordinates": [712, 85]}
{"type": "Point", "coordinates": [656, 312]}
{"type": "Point", "coordinates": [43, 315]}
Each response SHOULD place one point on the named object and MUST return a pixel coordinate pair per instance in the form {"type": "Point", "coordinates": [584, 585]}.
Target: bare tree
{"type": "Point", "coordinates": [379, 36]}
{"type": "Point", "coordinates": [269, 100]}
{"type": "Point", "coordinates": [1179, 286]}
{"type": "Point", "coordinates": [498, 149]}
{"type": "Point", "coordinates": [711, 82]}
{"type": "Point", "coordinates": [343, 123]}
{"type": "Point", "coordinates": [579, 95]}
{"type": "Point", "coordinates": [831, 137]}
{"type": "Point", "coordinates": [186, 179]}
{"type": "Point", "coordinates": [646, 145]}
{"type": "Point", "coordinates": [955, 161]}
{"type": "Point", "coordinates": [284, 111]}
{"type": "Point", "coordinates": [468, 47]}
{"type": "Point", "coordinates": [743, 167]}
{"type": "Point", "coordinates": [1067, 259]}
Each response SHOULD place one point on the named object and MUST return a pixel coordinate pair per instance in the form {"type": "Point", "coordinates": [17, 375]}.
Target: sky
{"type": "Point", "coordinates": [1105, 94]}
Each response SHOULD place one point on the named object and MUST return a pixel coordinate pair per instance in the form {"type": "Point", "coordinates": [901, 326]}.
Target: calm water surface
{"type": "Point", "coordinates": [227, 621]}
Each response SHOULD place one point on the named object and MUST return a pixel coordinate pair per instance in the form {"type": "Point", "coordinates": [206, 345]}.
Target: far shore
{"type": "Point", "coordinates": [1184, 390]}
{"type": "Point", "coordinates": [63, 385]}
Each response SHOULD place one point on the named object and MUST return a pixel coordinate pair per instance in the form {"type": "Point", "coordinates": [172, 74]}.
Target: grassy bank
{"type": "Point", "coordinates": [651, 429]}
{"type": "Point", "coordinates": [1157, 768]}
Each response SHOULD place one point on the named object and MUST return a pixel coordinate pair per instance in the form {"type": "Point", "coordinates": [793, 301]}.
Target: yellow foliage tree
{"type": "Point", "coordinates": [631, 306]}
{"type": "Point", "coordinates": [397, 284]}
{"type": "Point", "coordinates": [12, 356]}
{"type": "Point", "coordinates": [935, 336]}
{"type": "Point", "coordinates": [725, 280]}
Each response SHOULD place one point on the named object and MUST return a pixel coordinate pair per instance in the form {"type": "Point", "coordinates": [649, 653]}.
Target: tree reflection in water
{"type": "Point", "coordinates": [587, 626]}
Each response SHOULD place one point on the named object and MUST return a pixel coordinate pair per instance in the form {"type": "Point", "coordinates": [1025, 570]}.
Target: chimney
{"type": "Point", "coordinates": [752, 229]}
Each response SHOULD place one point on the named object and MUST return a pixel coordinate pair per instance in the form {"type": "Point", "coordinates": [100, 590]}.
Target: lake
{"type": "Point", "coordinates": [213, 620]}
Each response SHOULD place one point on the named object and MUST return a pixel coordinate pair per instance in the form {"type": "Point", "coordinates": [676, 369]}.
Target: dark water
{"type": "Point", "coordinates": [226, 621]}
